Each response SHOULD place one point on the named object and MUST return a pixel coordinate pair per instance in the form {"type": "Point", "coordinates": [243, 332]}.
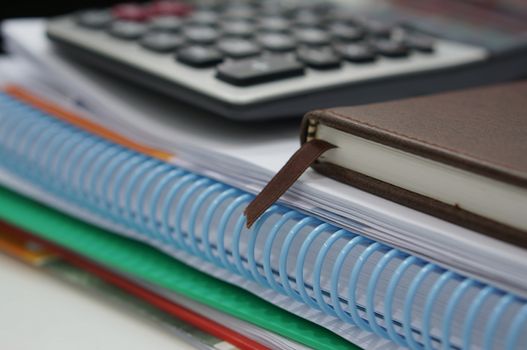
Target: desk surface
{"type": "Point", "coordinates": [41, 312]}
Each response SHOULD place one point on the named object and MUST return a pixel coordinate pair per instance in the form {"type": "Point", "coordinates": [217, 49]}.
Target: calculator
{"type": "Point", "coordinates": [255, 60]}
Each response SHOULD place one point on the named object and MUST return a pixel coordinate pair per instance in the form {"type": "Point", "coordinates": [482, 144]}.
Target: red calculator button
{"type": "Point", "coordinates": [169, 8]}
{"type": "Point", "coordinates": [130, 12]}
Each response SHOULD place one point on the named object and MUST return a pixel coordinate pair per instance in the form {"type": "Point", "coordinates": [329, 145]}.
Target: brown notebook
{"type": "Point", "coordinates": [459, 156]}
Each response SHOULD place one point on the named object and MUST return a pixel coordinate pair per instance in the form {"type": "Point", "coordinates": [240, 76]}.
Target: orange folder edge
{"type": "Point", "coordinates": [70, 117]}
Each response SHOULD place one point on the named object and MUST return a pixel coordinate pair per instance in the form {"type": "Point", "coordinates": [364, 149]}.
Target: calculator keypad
{"type": "Point", "coordinates": [251, 36]}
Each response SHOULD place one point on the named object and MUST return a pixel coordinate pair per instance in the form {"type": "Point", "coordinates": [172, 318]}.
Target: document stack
{"type": "Point", "coordinates": [91, 166]}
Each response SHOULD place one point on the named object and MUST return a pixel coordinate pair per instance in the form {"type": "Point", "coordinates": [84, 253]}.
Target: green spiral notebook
{"type": "Point", "coordinates": [142, 262]}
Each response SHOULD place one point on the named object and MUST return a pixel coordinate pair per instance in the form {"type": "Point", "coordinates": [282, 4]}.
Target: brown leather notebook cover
{"type": "Point", "coordinates": [482, 131]}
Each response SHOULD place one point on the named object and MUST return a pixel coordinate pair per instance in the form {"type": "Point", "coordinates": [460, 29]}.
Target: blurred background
{"type": "Point", "coordinates": [32, 8]}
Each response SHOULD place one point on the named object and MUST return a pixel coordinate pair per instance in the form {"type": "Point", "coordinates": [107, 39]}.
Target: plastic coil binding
{"type": "Point", "coordinates": [371, 285]}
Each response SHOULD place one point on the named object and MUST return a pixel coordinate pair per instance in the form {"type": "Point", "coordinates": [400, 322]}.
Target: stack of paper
{"type": "Point", "coordinates": [376, 273]}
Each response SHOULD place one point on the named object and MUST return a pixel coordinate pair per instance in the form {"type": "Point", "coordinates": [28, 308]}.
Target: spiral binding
{"type": "Point", "coordinates": [168, 205]}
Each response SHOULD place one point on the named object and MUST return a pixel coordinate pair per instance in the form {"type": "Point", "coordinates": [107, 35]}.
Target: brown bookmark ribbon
{"type": "Point", "coordinates": [285, 178]}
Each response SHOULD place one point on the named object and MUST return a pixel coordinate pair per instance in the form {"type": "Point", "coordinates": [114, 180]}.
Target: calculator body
{"type": "Point", "coordinates": [271, 83]}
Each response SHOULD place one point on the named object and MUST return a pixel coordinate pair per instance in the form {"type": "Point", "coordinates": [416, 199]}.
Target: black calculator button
{"type": "Point", "coordinates": [277, 42]}
{"type": "Point", "coordinates": [237, 28]}
{"type": "Point", "coordinates": [258, 70]}
{"type": "Point", "coordinates": [419, 43]}
{"type": "Point", "coordinates": [390, 48]}
{"type": "Point", "coordinates": [377, 28]}
{"type": "Point", "coordinates": [312, 36]}
{"type": "Point", "coordinates": [342, 16]}
{"type": "Point", "coordinates": [239, 13]}
{"type": "Point", "coordinates": [319, 57]}
{"type": "Point", "coordinates": [206, 5]}
{"type": "Point", "coordinates": [346, 32]}
{"type": "Point", "coordinates": [274, 24]}
{"type": "Point", "coordinates": [95, 19]}
{"type": "Point", "coordinates": [307, 18]}
{"type": "Point", "coordinates": [238, 48]}
{"type": "Point", "coordinates": [127, 30]}
{"type": "Point", "coordinates": [356, 52]}
{"type": "Point", "coordinates": [206, 18]}
{"type": "Point", "coordinates": [271, 8]}
{"type": "Point", "coordinates": [201, 34]}
{"type": "Point", "coordinates": [199, 56]}
{"type": "Point", "coordinates": [166, 23]}
{"type": "Point", "coordinates": [162, 41]}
